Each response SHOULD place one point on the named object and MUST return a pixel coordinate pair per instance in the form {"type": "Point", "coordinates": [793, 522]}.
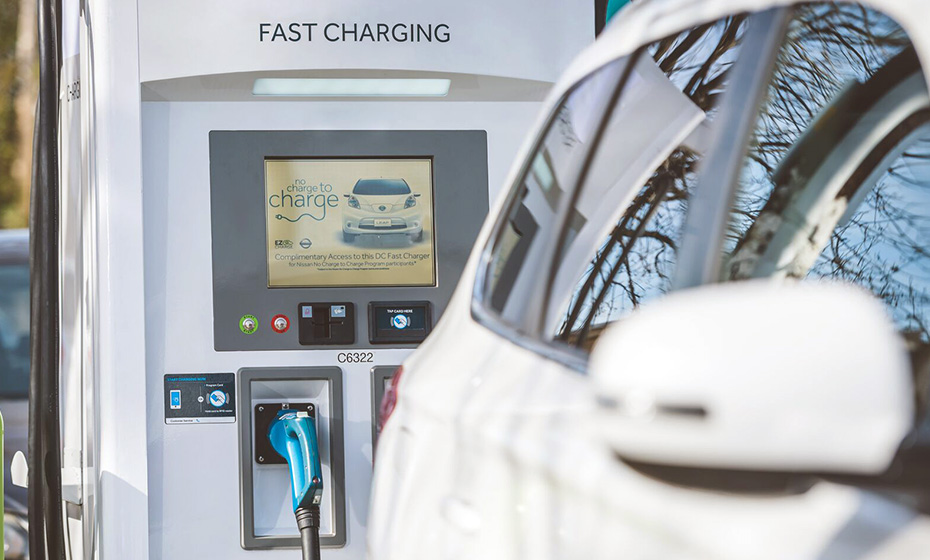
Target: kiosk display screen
{"type": "Point", "coordinates": [343, 222]}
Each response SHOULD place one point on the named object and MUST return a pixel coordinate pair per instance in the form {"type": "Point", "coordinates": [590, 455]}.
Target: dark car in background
{"type": "Point", "coordinates": [14, 377]}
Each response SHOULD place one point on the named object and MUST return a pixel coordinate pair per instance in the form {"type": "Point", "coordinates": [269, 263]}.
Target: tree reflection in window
{"type": "Point", "coordinates": [883, 247]}
{"type": "Point", "coordinates": [837, 179]}
{"type": "Point", "coordinates": [636, 260]}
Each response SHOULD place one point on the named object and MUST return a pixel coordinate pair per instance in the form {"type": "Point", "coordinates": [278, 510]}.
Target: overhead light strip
{"type": "Point", "coordinates": [351, 87]}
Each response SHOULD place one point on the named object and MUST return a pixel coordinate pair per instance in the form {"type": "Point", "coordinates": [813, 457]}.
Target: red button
{"type": "Point", "coordinates": [280, 324]}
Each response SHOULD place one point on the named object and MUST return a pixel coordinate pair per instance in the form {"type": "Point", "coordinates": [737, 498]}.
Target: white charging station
{"type": "Point", "coordinates": [275, 202]}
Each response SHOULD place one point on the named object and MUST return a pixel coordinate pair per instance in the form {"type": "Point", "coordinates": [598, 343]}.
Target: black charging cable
{"type": "Point", "coordinates": [46, 519]}
{"type": "Point", "coordinates": [308, 521]}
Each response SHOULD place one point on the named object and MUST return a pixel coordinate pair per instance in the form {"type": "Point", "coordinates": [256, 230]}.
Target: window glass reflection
{"type": "Point", "coordinates": [837, 179]}
{"type": "Point", "coordinates": [518, 252]}
{"type": "Point", "coordinates": [622, 241]}
{"type": "Point", "coordinates": [14, 331]}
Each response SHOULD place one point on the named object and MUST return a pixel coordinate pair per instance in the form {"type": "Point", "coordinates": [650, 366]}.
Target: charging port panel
{"type": "Point", "coordinates": [266, 513]}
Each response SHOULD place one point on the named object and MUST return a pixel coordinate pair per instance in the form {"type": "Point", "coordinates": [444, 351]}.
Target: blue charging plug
{"type": "Point", "coordinates": [293, 436]}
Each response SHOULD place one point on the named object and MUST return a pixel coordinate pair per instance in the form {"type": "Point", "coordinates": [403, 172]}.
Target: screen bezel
{"type": "Point", "coordinates": [238, 230]}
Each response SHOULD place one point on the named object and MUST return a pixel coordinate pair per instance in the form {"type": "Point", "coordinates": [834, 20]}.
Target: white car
{"type": "Point", "coordinates": [379, 207]}
{"type": "Point", "coordinates": [14, 350]}
{"type": "Point", "coordinates": [698, 325]}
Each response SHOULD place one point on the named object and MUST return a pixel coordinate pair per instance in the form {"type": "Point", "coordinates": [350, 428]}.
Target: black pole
{"type": "Point", "coordinates": [46, 536]}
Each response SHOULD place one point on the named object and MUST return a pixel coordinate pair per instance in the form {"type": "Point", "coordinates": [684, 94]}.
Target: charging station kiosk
{"type": "Point", "coordinates": [272, 205]}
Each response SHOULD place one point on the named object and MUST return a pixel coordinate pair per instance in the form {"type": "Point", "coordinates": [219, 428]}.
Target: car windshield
{"type": "Point", "coordinates": [14, 331]}
{"type": "Point", "coordinates": [381, 187]}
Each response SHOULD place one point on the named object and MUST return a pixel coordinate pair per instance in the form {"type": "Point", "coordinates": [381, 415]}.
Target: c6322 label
{"type": "Point", "coordinates": [356, 357]}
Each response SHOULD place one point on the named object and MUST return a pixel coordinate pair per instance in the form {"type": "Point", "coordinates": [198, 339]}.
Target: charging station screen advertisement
{"type": "Point", "coordinates": [349, 222]}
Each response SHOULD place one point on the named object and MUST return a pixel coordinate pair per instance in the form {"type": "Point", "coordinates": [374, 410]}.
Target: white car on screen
{"type": "Point", "coordinates": [698, 325]}
{"type": "Point", "coordinates": [382, 207]}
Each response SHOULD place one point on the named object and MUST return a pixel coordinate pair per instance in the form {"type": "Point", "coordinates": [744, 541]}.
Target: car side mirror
{"type": "Point", "coordinates": [756, 377]}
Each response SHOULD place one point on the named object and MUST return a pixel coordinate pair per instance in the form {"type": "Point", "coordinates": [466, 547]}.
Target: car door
{"type": "Point", "coordinates": [837, 189]}
{"type": "Point", "coordinates": [14, 351]}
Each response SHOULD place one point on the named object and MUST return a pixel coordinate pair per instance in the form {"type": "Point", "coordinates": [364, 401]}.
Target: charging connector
{"type": "Point", "coordinates": [293, 436]}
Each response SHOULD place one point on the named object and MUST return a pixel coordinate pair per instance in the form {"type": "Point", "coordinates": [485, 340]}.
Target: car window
{"type": "Point", "coordinates": [620, 245]}
{"type": "Point", "coordinates": [519, 248]}
{"type": "Point", "coordinates": [836, 182]}
{"type": "Point", "coordinates": [14, 331]}
{"type": "Point", "coordinates": [381, 187]}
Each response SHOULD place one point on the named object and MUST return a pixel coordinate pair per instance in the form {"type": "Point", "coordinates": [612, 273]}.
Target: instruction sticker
{"type": "Point", "coordinates": [349, 222]}
{"type": "Point", "coordinates": [200, 398]}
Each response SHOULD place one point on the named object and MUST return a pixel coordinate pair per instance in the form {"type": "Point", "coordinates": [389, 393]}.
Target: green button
{"type": "Point", "coordinates": [248, 324]}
